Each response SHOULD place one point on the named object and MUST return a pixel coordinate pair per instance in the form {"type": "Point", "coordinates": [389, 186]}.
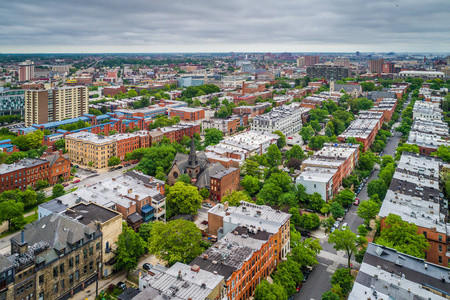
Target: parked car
{"type": "Point", "coordinates": [356, 202]}
{"type": "Point", "coordinates": [207, 205]}
{"type": "Point", "coordinates": [76, 180]}
{"type": "Point", "coordinates": [119, 167]}
{"type": "Point", "coordinates": [65, 184]}
{"type": "Point", "coordinates": [298, 287]}
{"type": "Point", "coordinates": [332, 229]}
{"type": "Point", "coordinates": [344, 225]}
{"type": "Point", "coordinates": [336, 224]}
{"type": "Point", "coordinates": [121, 285]}
{"type": "Point", "coordinates": [305, 233]}
{"type": "Point", "coordinates": [147, 266]}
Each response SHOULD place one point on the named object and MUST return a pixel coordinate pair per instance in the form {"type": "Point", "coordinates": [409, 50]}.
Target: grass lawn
{"type": "Point", "coordinates": [6, 136]}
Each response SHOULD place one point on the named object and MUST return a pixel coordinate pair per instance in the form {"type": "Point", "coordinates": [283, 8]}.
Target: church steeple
{"type": "Point", "coordinates": [192, 161]}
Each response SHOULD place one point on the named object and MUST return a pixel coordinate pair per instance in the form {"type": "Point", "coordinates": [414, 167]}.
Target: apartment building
{"type": "Point", "coordinates": [376, 66]}
{"type": "Point", "coordinates": [26, 70]}
{"type": "Point", "coordinates": [223, 183]}
{"type": "Point", "coordinates": [386, 106]}
{"type": "Point", "coordinates": [55, 258]}
{"type": "Point", "coordinates": [388, 274]}
{"type": "Point", "coordinates": [227, 125]}
{"type": "Point", "coordinates": [259, 237]}
{"type": "Point", "coordinates": [138, 197]}
{"type": "Point", "coordinates": [427, 142]}
{"type": "Point", "coordinates": [43, 106]}
{"type": "Point", "coordinates": [286, 118]}
{"type": "Point", "coordinates": [324, 171]}
{"type": "Point", "coordinates": [244, 145]}
{"type": "Point", "coordinates": [6, 278]}
{"type": "Point", "coordinates": [364, 128]}
{"type": "Point", "coordinates": [111, 91]}
{"type": "Point", "coordinates": [187, 113]}
{"type": "Point", "coordinates": [12, 102]}
{"type": "Point", "coordinates": [59, 167]}
{"type": "Point", "coordinates": [426, 111]}
{"type": "Point", "coordinates": [311, 60]}
{"type": "Point", "coordinates": [176, 132]}
{"type": "Point", "coordinates": [252, 111]}
{"type": "Point", "coordinates": [23, 174]}
{"type": "Point", "coordinates": [414, 195]}
{"type": "Point", "coordinates": [7, 147]}
{"type": "Point", "coordinates": [328, 72]}
{"type": "Point", "coordinates": [342, 61]}
{"type": "Point", "coordinates": [86, 148]}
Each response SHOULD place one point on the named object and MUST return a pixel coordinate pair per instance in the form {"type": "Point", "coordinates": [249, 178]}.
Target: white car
{"type": "Point", "coordinates": [344, 225]}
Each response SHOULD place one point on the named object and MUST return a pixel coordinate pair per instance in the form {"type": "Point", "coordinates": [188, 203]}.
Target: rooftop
{"type": "Point", "coordinates": [87, 213]}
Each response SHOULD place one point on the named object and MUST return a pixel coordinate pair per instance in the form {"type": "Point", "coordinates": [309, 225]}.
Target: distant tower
{"type": "Point", "coordinates": [357, 53]}
{"type": "Point", "coordinates": [193, 167]}
{"type": "Point", "coordinates": [205, 79]}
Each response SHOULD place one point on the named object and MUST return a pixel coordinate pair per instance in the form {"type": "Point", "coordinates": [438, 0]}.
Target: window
{"type": "Point", "coordinates": [85, 269]}
{"type": "Point", "coordinates": [71, 279]}
{"type": "Point", "coordinates": [77, 274]}
{"type": "Point", "coordinates": [55, 272]}
{"type": "Point", "coordinates": [55, 288]}
{"type": "Point", "coordinates": [91, 265]}
{"type": "Point", "coordinates": [425, 234]}
{"type": "Point", "coordinates": [440, 259]}
{"type": "Point", "coordinates": [440, 248]}
{"type": "Point", "coordinates": [41, 279]}
{"type": "Point", "coordinates": [440, 238]}
{"type": "Point", "coordinates": [91, 250]}
{"type": "Point", "coordinates": [71, 263]}
{"type": "Point", "coordinates": [62, 285]}
{"type": "Point", "coordinates": [61, 268]}
{"type": "Point", "coordinates": [97, 246]}
{"type": "Point", "coordinates": [77, 259]}
{"type": "Point", "coordinates": [41, 296]}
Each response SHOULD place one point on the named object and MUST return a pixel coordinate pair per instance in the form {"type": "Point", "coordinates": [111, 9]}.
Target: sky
{"type": "Point", "coordinates": [132, 26]}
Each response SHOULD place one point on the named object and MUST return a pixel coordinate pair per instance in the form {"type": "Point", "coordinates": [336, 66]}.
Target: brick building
{"type": "Point", "coordinates": [388, 67]}
{"type": "Point", "coordinates": [111, 91]}
{"type": "Point", "coordinates": [364, 128]}
{"type": "Point", "coordinates": [252, 111]}
{"type": "Point", "coordinates": [223, 183]}
{"type": "Point", "coordinates": [311, 60]}
{"type": "Point", "coordinates": [253, 239]}
{"type": "Point", "coordinates": [176, 132]}
{"type": "Point", "coordinates": [376, 66]}
{"type": "Point", "coordinates": [414, 195]}
{"type": "Point", "coordinates": [23, 174]}
{"type": "Point", "coordinates": [188, 113]}
{"type": "Point", "coordinates": [7, 147]}
{"type": "Point", "coordinates": [227, 125]}
{"type": "Point", "coordinates": [59, 168]}
{"type": "Point", "coordinates": [386, 106]}
{"type": "Point", "coordinates": [324, 172]}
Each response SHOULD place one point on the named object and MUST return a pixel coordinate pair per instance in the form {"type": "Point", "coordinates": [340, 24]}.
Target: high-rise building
{"type": "Point", "coordinates": [342, 61]}
{"type": "Point", "coordinates": [11, 102]}
{"type": "Point", "coordinates": [311, 60]}
{"type": "Point", "coordinates": [448, 60]}
{"type": "Point", "coordinates": [43, 106]}
{"type": "Point", "coordinates": [26, 70]}
{"type": "Point", "coordinates": [376, 66]}
{"type": "Point", "coordinates": [301, 61]}
{"type": "Point", "coordinates": [388, 67]}
{"type": "Point", "coordinates": [328, 72]}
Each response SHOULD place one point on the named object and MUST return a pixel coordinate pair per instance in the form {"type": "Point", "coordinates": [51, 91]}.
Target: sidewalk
{"type": "Point", "coordinates": [89, 292]}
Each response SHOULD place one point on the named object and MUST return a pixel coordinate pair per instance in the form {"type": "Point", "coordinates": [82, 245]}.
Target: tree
{"type": "Point", "coordinates": [213, 136]}
{"type": "Point", "coordinates": [443, 152]}
{"type": "Point", "coordinates": [130, 247]}
{"type": "Point", "coordinates": [385, 160]}
{"type": "Point", "coordinates": [251, 185]}
{"type": "Point", "coordinates": [282, 180]}
{"type": "Point", "coordinates": [157, 156]}
{"type": "Point", "coordinates": [60, 144]}
{"type": "Point", "coordinates": [309, 221]}
{"type": "Point", "coordinates": [367, 161]}
{"type": "Point", "coordinates": [405, 147]}
{"type": "Point", "coordinates": [15, 156]}
{"type": "Point", "coordinates": [9, 210]}
{"type": "Point", "coordinates": [295, 152]}
{"type": "Point", "coordinates": [307, 132]}
{"type": "Point", "coordinates": [343, 278]}
{"type": "Point", "coordinates": [270, 193]}
{"type": "Point", "coordinates": [58, 191]}
{"type": "Point", "coordinates": [113, 161]}
{"type": "Point", "coordinates": [273, 155]}
{"type": "Point", "coordinates": [403, 237]}
{"type": "Point", "coordinates": [236, 197]}
{"type": "Point", "coordinates": [175, 241]}
{"type": "Point", "coordinates": [288, 275]}
{"type": "Point", "coordinates": [184, 178]}
{"type": "Point", "coordinates": [282, 140]}
{"type": "Point", "coordinates": [267, 291]}
{"type": "Point", "coordinates": [337, 210]}
{"type": "Point", "coordinates": [317, 142]}
{"type": "Point", "coordinates": [316, 202]}
{"type": "Point", "coordinates": [377, 187]}
{"type": "Point", "coordinates": [28, 198]}
{"type": "Point", "coordinates": [251, 167]}
{"type": "Point", "coordinates": [330, 295]}
{"type": "Point", "coordinates": [328, 223]}
{"type": "Point", "coordinates": [41, 184]}
{"type": "Point", "coordinates": [347, 241]}
{"type": "Point", "coordinates": [345, 197]}
{"type": "Point", "coordinates": [362, 230]}
{"type": "Point", "coordinates": [40, 197]}
{"type": "Point", "coordinates": [144, 231]}
{"type": "Point", "coordinates": [183, 199]}
{"type": "Point", "coordinates": [305, 252]}
{"type": "Point", "coordinates": [295, 216]}
{"type": "Point", "coordinates": [204, 193]}
{"type": "Point", "coordinates": [387, 173]}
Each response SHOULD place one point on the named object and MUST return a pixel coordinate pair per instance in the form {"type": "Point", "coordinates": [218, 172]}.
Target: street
{"type": "Point", "coordinates": [329, 259]}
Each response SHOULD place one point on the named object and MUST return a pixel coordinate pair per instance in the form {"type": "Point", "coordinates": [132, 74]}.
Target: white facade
{"type": "Point", "coordinates": [286, 118]}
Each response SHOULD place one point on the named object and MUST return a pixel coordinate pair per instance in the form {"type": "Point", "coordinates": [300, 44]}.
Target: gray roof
{"type": "Point", "coordinates": [377, 94]}
{"type": "Point", "coordinates": [348, 88]}
{"type": "Point", "coordinates": [87, 213]}
{"type": "Point", "coordinates": [5, 263]}
{"type": "Point", "coordinates": [53, 158]}
{"type": "Point", "coordinates": [54, 205]}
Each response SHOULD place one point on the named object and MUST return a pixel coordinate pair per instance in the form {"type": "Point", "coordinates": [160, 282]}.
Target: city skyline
{"type": "Point", "coordinates": [231, 26]}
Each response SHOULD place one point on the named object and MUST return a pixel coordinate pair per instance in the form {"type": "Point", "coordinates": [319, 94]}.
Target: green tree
{"type": "Point", "coordinates": [295, 216]}
{"type": "Point", "coordinates": [175, 241]}
{"type": "Point", "coordinates": [328, 223]}
{"type": "Point", "coordinates": [443, 152]}
{"type": "Point", "coordinates": [316, 202]}
{"type": "Point", "coordinates": [41, 184]}
{"type": "Point", "coordinates": [282, 140]}
{"type": "Point", "coordinates": [273, 155]}
{"type": "Point", "coordinates": [183, 199]}
{"type": "Point", "coordinates": [295, 152]}
{"type": "Point", "coordinates": [204, 193]}
{"type": "Point", "coordinates": [40, 197]}
{"type": "Point", "coordinates": [305, 252]}
{"type": "Point", "coordinates": [57, 191]}
{"type": "Point", "coordinates": [316, 142]}
{"type": "Point", "coordinates": [405, 147]}
{"type": "Point", "coordinates": [145, 230]}
{"type": "Point", "coordinates": [251, 168]}
{"type": "Point", "coordinates": [251, 185]}
{"type": "Point", "coordinates": [113, 161]}
{"type": "Point", "coordinates": [307, 132]}
{"type": "Point", "coordinates": [337, 210]}
{"type": "Point", "coordinates": [346, 240]}
{"type": "Point", "coordinates": [403, 237]}
{"type": "Point", "coordinates": [9, 210]}
{"type": "Point", "coordinates": [377, 187]}
{"type": "Point", "coordinates": [343, 278]}
{"type": "Point", "coordinates": [288, 275]}
{"type": "Point", "coordinates": [367, 161]}
{"type": "Point", "coordinates": [184, 178]}
{"type": "Point", "coordinates": [270, 193]}
{"type": "Point", "coordinates": [60, 144]}
{"type": "Point", "coordinates": [267, 291]}
{"type": "Point", "coordinates": [236, 197]}
{"type": "Point", "coordinates": [330, 295]}
{"type": "Point", "coordinates": [15, 156]}
{"type": "Point", "coordinates": [213, 136]}
{"type": "Point", "coordinates": [362, 230]}
{"type": "Point", "coordinates": [282, 180]}
{"type": "Point", "coordinates": [28, 198]}
{"type": "Point", "coordinates": [309, 221]}
{"type": "Point", "coordinates": [157, 156]}
{"type": "Point", "coordinates": [345, 197]}
{"type": "Point", "coordinates": [385, 160]}
{"type": "Point", "coordinates": [387, 173]}
{"type": "Point", "coordinates": [130, 247]}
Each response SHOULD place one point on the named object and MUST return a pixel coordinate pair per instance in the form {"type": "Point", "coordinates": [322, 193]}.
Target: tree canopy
{"type": "Point", "coordinates": [130, 247]}
{"type": "Point", "coordinates": [182, 198]}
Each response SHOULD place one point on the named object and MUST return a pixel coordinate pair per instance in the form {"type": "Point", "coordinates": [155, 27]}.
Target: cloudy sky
{"type": "Point", "coordinates": [32, 26]}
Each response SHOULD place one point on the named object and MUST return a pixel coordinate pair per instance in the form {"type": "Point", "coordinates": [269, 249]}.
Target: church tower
{"type": "Point", "coordinates": [193, 167]}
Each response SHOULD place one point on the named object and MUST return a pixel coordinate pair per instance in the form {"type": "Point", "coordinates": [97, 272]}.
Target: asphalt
{"type": "Point", "coordinates": [329, 259]}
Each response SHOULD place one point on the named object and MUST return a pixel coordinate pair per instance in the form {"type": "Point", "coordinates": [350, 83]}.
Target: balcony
{"type": "Point", "coordinates": [160, 212]}
{"type": "Point", "coordinates": [158, 204]}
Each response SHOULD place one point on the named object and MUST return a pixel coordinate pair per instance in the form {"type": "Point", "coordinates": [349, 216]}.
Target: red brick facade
{"type": "Point", "coordinates": [223, 184]}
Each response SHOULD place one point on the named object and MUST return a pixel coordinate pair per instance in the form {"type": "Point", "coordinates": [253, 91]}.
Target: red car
{"type": "Point", "coordinates": [76, 180]}
{"type": "Point", "coordinates": [356, 202]}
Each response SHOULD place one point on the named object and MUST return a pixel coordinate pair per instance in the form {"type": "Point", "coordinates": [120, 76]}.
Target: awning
{"type": "Point", "coordinates": [147, 208]}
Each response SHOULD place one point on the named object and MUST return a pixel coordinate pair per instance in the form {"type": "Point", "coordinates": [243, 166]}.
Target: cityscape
{"type": "Point", "coordinates": [161, 159]}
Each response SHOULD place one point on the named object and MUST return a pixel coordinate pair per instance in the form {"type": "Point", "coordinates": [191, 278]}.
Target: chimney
{"type": "Point", "coordinates": [113, 179]}
{"type": "Point", "coordinates": [130, 191]}
{"type": "Point", "coordinates": [136, 197]}
{"type": "Point", "coordinates": [22, 237]}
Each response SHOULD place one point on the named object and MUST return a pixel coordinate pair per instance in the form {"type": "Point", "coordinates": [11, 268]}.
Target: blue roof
{"type": "Point", "coordinates": [6, 146]}
{"type": "Point", "coordinates": [56, 134]}
{"type": "Point", "coordinates": [30, 129]}
{"type": "Point", "coordinates": [103, 117]}
{"type": "Point", "coordinates": [63, 122]}
{"type": "Point", "coordinates": [5, 141]}
{"type": "Point", "coordinates": [147, 208]}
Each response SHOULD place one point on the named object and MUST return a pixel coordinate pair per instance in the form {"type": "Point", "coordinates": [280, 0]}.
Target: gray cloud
{"type": "Point", "coordinates": [227, 25]}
